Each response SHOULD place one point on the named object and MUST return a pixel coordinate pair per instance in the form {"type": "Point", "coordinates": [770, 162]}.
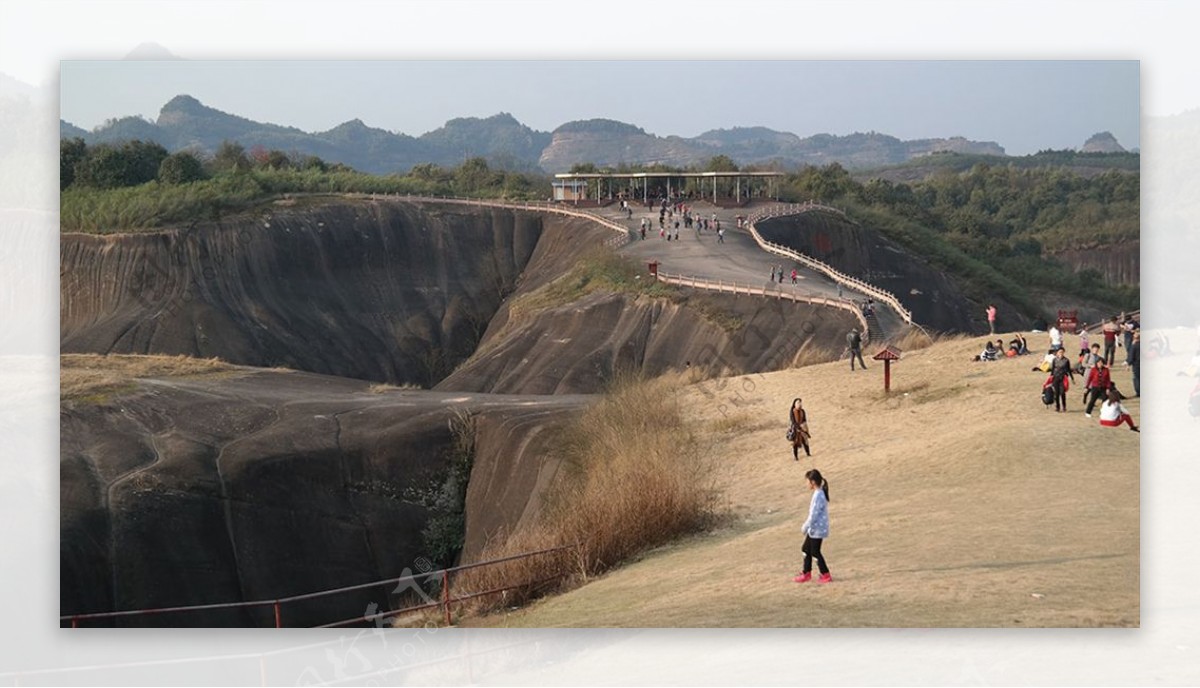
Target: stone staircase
{"type": "Point", "coordinates": [875, 332]}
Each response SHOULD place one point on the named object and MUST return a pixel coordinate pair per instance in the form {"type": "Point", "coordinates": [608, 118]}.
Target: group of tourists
{"type": "Point", "coordinates": [1095, 367]}
{"type": "Point", "coordinates": [994, 351]}
{"type": "Point", "coordinates": [672, 217]}
{"type": "Point", "coordinates": [777, 274]}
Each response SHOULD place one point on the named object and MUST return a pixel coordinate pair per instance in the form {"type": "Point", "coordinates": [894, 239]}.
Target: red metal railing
{"type": "Point", "coordinates": [446, 601]}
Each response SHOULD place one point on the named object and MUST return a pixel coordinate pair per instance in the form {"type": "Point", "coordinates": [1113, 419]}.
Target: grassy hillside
{"type": "Point", "coordinates": [959, 500]}
{"type": "Point", "coordinates": [1085, 164]}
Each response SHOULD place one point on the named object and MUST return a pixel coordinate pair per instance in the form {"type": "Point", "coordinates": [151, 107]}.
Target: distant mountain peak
{"type": "Point", "coordinates": [150, 51]}
{"type": "Point", "coordinates": [1102, 142]}
{"type": "Point", "coordinates": [183, 103]}
{"type": "Point", "coordinates": [598, 126]}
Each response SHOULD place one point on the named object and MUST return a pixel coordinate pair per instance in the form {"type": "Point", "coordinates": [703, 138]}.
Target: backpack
{"type": "Point", "coordinates": [1048, 396]}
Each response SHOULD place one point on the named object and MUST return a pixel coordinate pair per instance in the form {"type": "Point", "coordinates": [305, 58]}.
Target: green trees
{"type": "Point", "coordinates": [107, 167]}
{"type": "Point", "coordinates": [721, 163]}
{"type": "Point", "coordinates": [180, 168]}
{"type": "Point", "coordinates": [230, 157]}
{"type": "Point", "coordinates": [70, 153]}
{"type": "Point", "coordinates": [473, 176]}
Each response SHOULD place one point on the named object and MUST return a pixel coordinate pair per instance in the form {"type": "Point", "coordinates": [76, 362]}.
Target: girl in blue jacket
{"type": "Point", "coordinates": [816, 528]}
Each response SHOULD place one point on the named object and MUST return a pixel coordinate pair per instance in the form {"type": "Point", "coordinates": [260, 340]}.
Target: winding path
{"type": "Point", "coordinates": [740, 264]}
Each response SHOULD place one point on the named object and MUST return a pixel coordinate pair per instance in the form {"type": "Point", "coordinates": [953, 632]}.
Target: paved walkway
{"type": "Point", "coordinates": [739, 259]}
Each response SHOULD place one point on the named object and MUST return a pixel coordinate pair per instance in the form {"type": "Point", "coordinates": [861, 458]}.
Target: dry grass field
{"type": "Point", "coordinates": [88, 378]}
{"type": "Point", "coordinates": [958, 500]}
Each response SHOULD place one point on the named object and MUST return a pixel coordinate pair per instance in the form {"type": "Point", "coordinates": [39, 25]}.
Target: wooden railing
{"type": "Point", "coordinates": [780, 293]}
{"type": "Point", "coordinates": [782, 210]}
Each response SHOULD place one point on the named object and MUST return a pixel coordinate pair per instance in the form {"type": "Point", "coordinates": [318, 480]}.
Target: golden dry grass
{"type": "Point", "coordinates": [958, 500]}
{"type": "Point", "coordinates": [635, 477]}
{"type": "Point", "coordinates": [812, 354]}
{"type": "Point", "coordinates": [383, 387]}
{"type": "Point", "coordinates": [93, 377]}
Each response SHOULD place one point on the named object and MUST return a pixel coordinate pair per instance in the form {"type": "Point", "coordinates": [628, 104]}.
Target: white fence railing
{"type": "Point", "coordinates": [781, 210]}
{"type": "Point", "coordinates": [780, 293]}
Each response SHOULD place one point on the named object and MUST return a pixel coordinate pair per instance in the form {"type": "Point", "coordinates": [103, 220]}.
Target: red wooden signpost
{"type": "Point", "coordinates": [887, 354]}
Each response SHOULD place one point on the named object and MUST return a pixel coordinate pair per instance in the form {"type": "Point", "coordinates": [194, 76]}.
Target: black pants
{"type": "Point", "coordinates": [812, 549]}
{"type": "Point", "coordinates": [1060, 394]}
{"type": "Point", "coordinates": [1110, 352]}
{"type": "Point", "coordinates": [1095, 394]}
{"type": "Point", "coordinates": [857, 353]}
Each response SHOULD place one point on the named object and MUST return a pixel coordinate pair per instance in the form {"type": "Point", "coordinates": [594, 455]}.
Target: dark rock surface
{"type": "Point", "coordinates": [936, 302]}
{"type": "Point", "coordinates": [1116, 263]}
{"type": "Point", "coordinates": [377, 290]}
{"type": "Point", "coordinates": [253, 485]}
{"type": "Point", "coordinates": [575, 347]}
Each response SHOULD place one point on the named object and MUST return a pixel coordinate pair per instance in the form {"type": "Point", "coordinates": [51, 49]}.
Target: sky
{"type": "Point", "coordinates": [1025, 106]}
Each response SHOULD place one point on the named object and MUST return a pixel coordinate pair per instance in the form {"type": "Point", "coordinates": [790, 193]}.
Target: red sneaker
{"type": "Point", "coordinates": [825, 578]}
{"type": "Point", "coordinates": [803, 578]}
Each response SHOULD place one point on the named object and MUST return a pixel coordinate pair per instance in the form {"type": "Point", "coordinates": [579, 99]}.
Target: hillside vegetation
{"type": "Point", "coordinates": [136, 185]}
{"type": "Point", "coordinates": [991, 225]}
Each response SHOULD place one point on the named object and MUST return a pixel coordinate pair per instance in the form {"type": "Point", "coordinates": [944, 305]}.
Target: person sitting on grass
{"type": "Point", "coordinates": [989, 352]}
{"type": "Point", "coordinates": [1019, 344]}
{"type": "Point", "coordinates": [1113, 414]}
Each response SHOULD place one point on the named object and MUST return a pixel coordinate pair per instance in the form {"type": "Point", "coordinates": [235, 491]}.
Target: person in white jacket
{"type": "Point", "coordinates": [815, 529]}
{"type": "Point", "coordinates": [1113, 414]}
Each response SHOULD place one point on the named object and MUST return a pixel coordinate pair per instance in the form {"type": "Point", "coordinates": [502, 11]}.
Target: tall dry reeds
{"type": "Point", "coordinates": [635, 477]}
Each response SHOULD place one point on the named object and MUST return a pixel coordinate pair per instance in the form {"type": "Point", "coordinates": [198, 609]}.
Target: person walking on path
{"type": "Point", "coordinates": [854, 341]}
{"type": "Point", "coordinates": [1135, 361]}
{"type": "Point", "coordinates": [798, 429]}
{"type": "Point", "coordinates": [1095, 388]}
{"type": "Point", "coordinates": [1061, 377]}
{"type": "Point", "coordinates": [1084, 345]}
{"type": "Point", "coordinates": [991, 316]}
{"type": "Point", "coordinates": [795, 275]}
{"type": "Point", "coordinates": [1113, 414]}
{"type": "Point", "coordinates": [1110, 340]}
{"type": "Point", "coordinates": [720, 236]}
{"type": "Point", "coordinates": [1128, 328]}
{"type": "Point", "coordinates": [839, 286]}
{"type": "Point", "coordinates": [815, 529]}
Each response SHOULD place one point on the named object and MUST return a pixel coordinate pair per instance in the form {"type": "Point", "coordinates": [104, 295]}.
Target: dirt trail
{"type": "Point", "coordinates": [958, 501]}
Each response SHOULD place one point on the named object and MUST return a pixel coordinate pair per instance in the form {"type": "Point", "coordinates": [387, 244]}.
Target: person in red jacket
{"type": "Point", "coordinates": [1097, 384]}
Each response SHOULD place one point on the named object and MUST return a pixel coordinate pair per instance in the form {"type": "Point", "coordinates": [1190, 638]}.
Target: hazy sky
{"type": "Point", "coordinates": [1024, 106]}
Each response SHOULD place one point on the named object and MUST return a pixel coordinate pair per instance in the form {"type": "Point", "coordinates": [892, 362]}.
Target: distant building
{"type": "Point", "coordinates": [570, 189]}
